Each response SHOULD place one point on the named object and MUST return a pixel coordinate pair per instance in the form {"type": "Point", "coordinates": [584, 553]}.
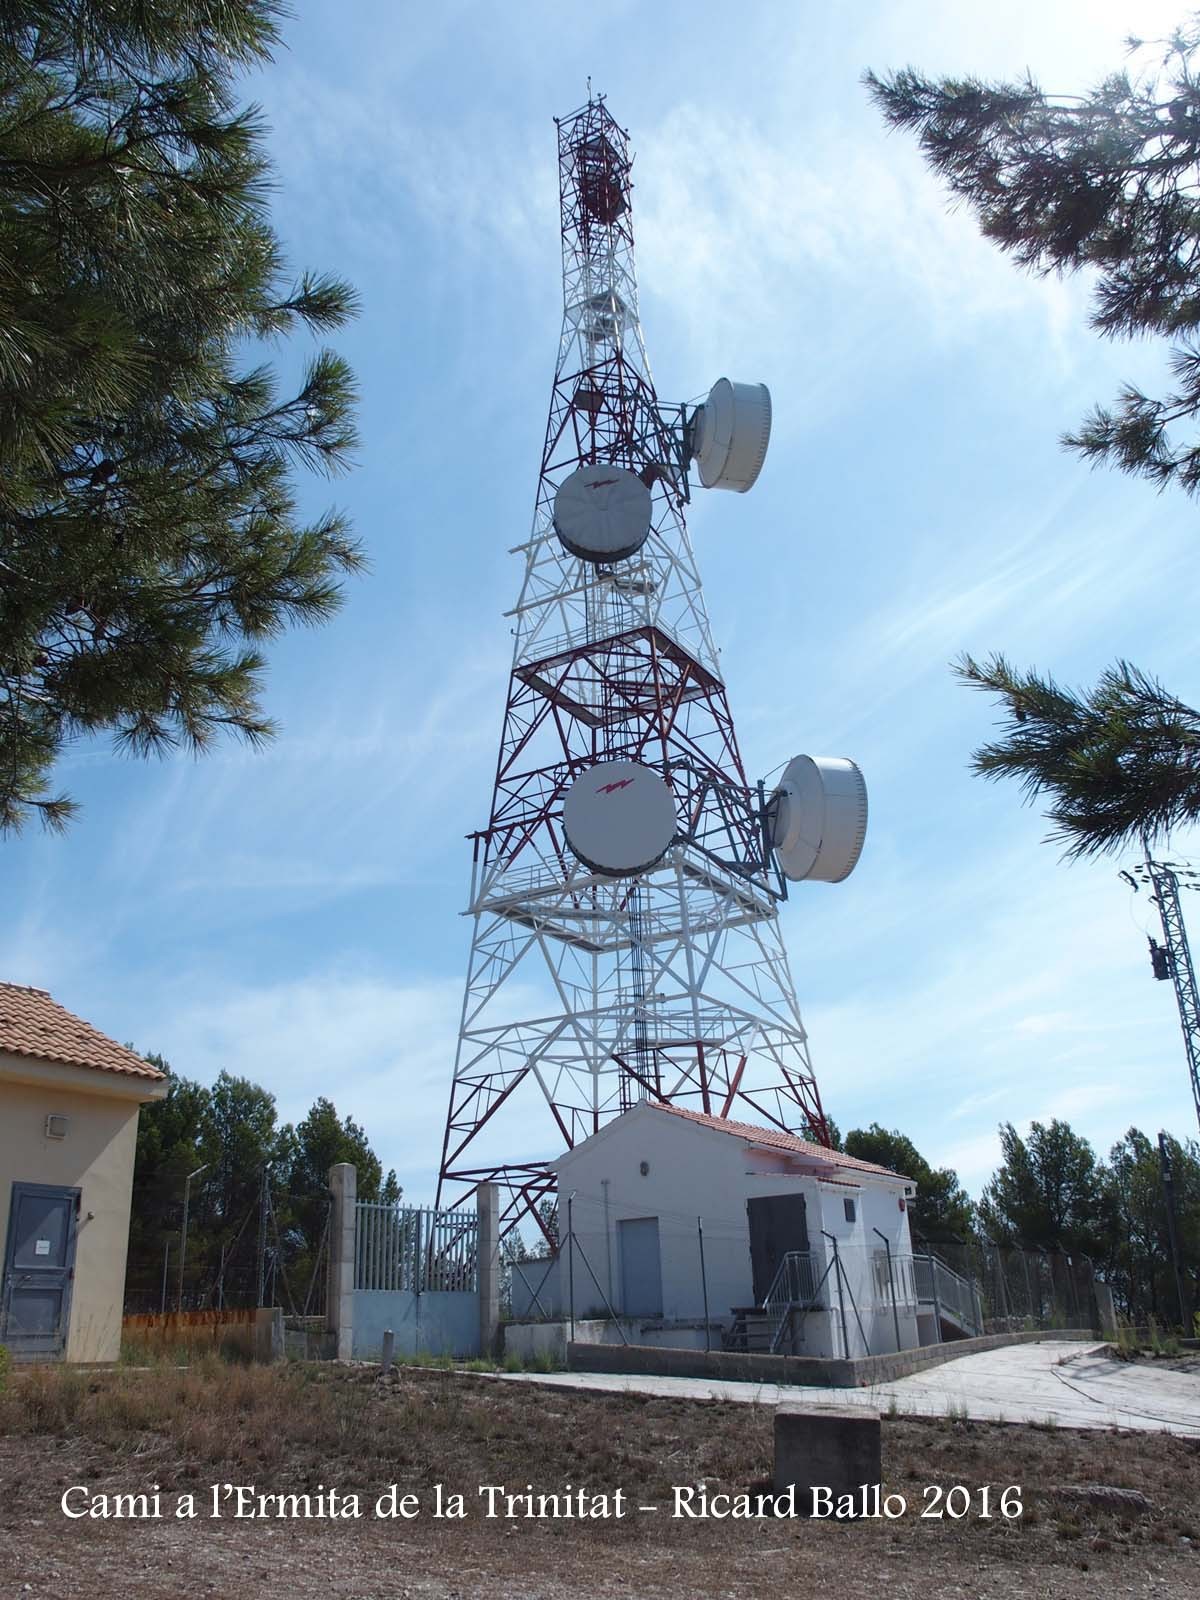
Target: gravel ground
{"type": "Point", "coordinates": [294, 1430]}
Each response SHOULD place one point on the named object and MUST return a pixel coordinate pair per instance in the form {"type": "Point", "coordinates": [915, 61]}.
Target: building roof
{"type": "Point", "coordinates": [32, 1024]}
{"type": "Point", "coordinates": [776, 1139]}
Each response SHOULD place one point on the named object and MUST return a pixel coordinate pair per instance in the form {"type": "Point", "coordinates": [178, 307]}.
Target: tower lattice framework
{"type": "Point", "coordinates": [586, 993]}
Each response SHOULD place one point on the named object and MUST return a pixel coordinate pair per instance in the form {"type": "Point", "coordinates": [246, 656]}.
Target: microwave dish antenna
{"type": "Point", "coordinates": [730, 434]}
{"type": "Point", "coordinates": [819, 818]}
{"type": "Point", "coordinates": [619, 818]}
{"type": "Point", "coordinates": [602, 513]}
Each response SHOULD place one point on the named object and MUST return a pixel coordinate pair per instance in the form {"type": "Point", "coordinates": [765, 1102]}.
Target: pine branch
{"type": "Point", "coordinates": [1108, 181]}
{"type": "Point", "coordinates": [149, 534]}
{"type": "Point", "coordinates": [1120, 762]}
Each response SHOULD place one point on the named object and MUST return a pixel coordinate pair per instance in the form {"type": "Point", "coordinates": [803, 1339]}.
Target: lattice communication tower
{"type": "Point", "coordinates": [625, 892]}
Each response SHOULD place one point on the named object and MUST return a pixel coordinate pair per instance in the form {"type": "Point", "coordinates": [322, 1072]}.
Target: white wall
{"type": "Point", "coordinates": [697, 1172]}
{"type": "Point", "coordinates": [864, 1285]}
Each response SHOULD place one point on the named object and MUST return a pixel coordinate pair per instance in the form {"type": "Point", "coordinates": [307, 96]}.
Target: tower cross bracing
{"type": "Point", "coordinates": [585, 992]}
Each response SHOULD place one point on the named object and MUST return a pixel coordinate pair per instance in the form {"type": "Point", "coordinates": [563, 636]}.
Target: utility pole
{"type": "Point", "coordinates": [187, 1186]}
{"type": "Point", "coordinates": [1173, 958]}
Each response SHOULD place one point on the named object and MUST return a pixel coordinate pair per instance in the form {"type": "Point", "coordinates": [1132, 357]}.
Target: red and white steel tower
{"type": "Point", "coordinates": [625, 892]}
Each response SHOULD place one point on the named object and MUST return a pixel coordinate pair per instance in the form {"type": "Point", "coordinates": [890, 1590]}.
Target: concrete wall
{"type": "Point", "coordinates": [584, 1356]}
{"type": "Point", "coordinates": [538, 1277]}
{"type": "Point", "coordinates": [436, 1323]}
{"type": "Point", "coordinates": [535, 1341]}
{"type": "Point", "coordinates": [96, 1157]}
{"type": "Point", "coordinates": [697, 1172]}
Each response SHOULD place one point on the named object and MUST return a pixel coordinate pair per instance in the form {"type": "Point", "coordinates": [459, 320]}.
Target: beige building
{"type": "Point", "coordinates": [69, 1101]}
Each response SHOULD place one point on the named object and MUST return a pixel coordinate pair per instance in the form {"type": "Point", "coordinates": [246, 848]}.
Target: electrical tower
{"type": "Point", "coordinates": [1173, 958]}
{"type": "Point", "coordinates": [625, 891]}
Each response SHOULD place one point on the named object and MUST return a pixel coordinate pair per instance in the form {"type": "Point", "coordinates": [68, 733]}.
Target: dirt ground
{"type": "Point", "coordinates": [303, 1429]}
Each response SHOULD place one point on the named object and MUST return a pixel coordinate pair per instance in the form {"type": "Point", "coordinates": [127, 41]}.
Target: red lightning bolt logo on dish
{"type": "Point", "coordinates": [607, 788]}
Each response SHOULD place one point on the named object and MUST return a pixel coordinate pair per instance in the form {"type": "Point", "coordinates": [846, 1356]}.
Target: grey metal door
{"type": "Point", "coordinates": [39, 1263]}
{"type": "Point", "coordinates": [778, 1223]}
{"type": "Point", "coordinates": [641, 1267]}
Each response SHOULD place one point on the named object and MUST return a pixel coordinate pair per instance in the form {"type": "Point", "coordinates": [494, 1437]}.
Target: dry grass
{"type": "Point", "coordinates": [290, 1429]}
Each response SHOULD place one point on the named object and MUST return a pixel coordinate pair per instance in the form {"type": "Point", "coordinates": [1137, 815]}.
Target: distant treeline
{"type": "Point", "coordinates": [256, 1211]}
{"type": "Point", "coordinates": [1051, 1192]}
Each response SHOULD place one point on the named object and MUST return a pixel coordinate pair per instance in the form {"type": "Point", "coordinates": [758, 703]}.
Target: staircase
{"type": "Point", "coordinates": [769, 1328]}
{"type": "Point", "coordinates": [953, 1299]}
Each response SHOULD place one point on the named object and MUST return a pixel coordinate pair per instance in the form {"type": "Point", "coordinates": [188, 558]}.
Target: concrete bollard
{"type": "Point", "coordinates": [834, 1450]}
{"type": "Point", "coordinates": [389, 1346]}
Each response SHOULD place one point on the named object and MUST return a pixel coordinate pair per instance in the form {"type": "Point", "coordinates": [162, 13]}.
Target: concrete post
{"type": "Point", "coordinates": [343, 1187]}
{"type": "Point", "coordinates": [1106, 1316]}
{"type": "Point", "coordinates": [835, 1452]}
{"type": "Point", "coordinates": [487, 1201]}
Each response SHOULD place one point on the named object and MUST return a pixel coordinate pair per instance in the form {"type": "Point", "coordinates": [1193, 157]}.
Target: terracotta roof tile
{"type": "Point", "coordinates": [32, 1024]}
{"type": "Point", "coordinates": [778, 1140]}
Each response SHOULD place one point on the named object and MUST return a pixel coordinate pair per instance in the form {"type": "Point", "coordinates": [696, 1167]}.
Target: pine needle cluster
{"type": "Point", "coordinates": [1121, 760]}
{"type": "Point", "coordinates": [1108, 181]}
{"type": "Point", "coordinates": [149, 534]}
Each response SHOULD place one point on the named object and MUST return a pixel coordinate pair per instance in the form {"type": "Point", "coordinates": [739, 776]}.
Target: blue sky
{"type": "Point", "coordinates": [295, 915]}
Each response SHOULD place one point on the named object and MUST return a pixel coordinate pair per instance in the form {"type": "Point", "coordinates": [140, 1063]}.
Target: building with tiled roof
{"type": "Point", "coordinates": [34, 1025]}
{"type": "Point", "coordinates": [698, 1230]}
{"type": "Point", "coordinates": [777, 1139]}
{"type": "Point", "coordinates": [69, 1103]}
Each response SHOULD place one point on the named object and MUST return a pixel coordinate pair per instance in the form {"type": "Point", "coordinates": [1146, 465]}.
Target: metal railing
{"type": "Point", "coordinates": [795, 1288]}
{"type": "Point", "coordinates": [893, 1274]}
{"type": "Point", "coordinates": [946, 1290]}
{"type": "Point", "coordinates": [795, 1283]}
{"type": "Point", "coordinates": [414, 1248]}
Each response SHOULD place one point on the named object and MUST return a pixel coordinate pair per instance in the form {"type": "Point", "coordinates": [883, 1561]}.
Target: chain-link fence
{"type": "Point", "coordinates": [840, 1299]}
{"type": "Point", "coordinates": [274, 1254]}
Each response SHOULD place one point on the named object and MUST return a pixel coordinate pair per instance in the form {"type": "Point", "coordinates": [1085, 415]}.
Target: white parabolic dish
{"type": "Point", "coordinates": [820, 818]}
{"type": "Point", "coordinates": [732, 431]}
{"type": "Point", "coordinates": [602, 513]}
{"type": "Point", "coordinates": [619, 818]}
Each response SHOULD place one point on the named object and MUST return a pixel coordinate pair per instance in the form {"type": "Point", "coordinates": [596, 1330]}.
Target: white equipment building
{"type": "Point", "coordinates": [694, 1231]}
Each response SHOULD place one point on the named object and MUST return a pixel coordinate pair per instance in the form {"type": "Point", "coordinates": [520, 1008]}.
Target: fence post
{"type": "Point", "coordinates": [937, 1304]}
{"type": "Point", "coordinates": [999, 1260]}
{"type": "Point", "coordinates": [339, 1314]}
{"type": "Point", "coordinates": [487, 1203]}
{"type": "Point", "coordinates": [837, 1270]}
{"type": "Point", "coordinates": [703, 1283]}
{"type": "Point", "coordinates": [891, 1284]}
{"type": "Point", "coordinates": [571, 1263]}
{"type": "Point", "coordinates": [1033, 1316]}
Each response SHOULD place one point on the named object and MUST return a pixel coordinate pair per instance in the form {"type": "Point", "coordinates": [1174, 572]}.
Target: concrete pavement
{"type": "Point", "coordinates": [1071, 1385]}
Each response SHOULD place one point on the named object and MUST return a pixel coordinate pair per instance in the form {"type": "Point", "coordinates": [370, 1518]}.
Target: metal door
{"type": "Point", "coordinates": [641, 1267]}
{"type": "Point", "coordinates": [778, 1223]}
{"type": "Point", "coordinates": [39, 1264]}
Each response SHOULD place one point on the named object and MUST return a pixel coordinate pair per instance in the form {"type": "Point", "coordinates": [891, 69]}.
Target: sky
{"type": "Point", "coordinates": [295, 915]}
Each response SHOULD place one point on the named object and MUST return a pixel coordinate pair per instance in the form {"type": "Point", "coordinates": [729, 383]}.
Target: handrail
{"type": "Point", "coordinates": [794, 1286]}
{"type": "Point", "coordinates": [939, 1284]}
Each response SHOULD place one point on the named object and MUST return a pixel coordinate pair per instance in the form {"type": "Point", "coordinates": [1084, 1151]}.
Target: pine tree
{"type": "Point", "coordinates": [1139, 1266]}
{"type": "Point", "coordinates": [1048, 1193]}
{"type": "Point", "coordinates": [149, 534]}
{"type": "Point", "coordinates": [1105, 182]}
{"type": "Point", "coordinates": [942, 1209]}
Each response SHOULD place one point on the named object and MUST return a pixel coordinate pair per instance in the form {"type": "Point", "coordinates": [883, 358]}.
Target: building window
{"type": "Point", "coordinates": [850, 1210]}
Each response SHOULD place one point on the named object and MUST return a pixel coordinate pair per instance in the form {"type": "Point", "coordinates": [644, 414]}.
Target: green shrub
{"type": "Point", "coordinates": [5, 1367]}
